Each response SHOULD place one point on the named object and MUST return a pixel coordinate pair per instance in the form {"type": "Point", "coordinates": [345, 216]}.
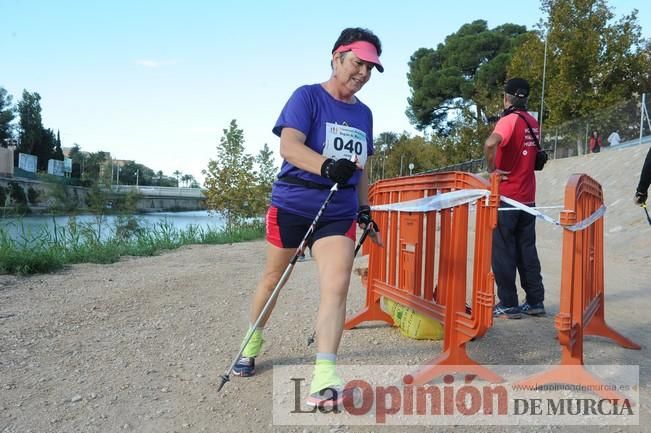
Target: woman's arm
{"type": "Point", "coordinates": [362, 189]}
{"type": "Point", "coordinates": [294, 150]}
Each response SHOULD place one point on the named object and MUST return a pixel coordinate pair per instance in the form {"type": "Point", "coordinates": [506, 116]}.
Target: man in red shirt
{"type": "Point", "coordinates": [511, 151]}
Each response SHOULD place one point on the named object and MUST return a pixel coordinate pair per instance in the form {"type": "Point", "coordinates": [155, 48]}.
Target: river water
{"type": "Point", "coordinates": [30, 226]}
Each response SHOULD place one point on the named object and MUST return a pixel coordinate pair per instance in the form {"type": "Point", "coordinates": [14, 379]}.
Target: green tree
{"type": "Point", "coordinates": [45, 148]}
{"type": "Point", "coordinates": [382, 146]}
{"type": "Point", "coordinates": [78, 160]}
{"type": "Point", "coordinates": [411, 150]}
{"type": "Point", "coordinates": [185, 179]}
{"type": "Point", "coordinates": [97, 202]}
{"type": "Point", "coordinates": [385, 141]}
{"type": "Point", "coordinates": [132, 172]}
{"type": "Point", "coordinates": [593, 61]}
{"type": "Point", "coordinates": [31, 123]}
{"type": "Point", "coordinates": [6, 117]}
{"type": "Point", "coordinates": [230, 179]}
{"type": "Point", "coordinates": [177, 174]}
{"type": "Point", "coordinates": [57, 152]}
{"type": "Point", "coordinates": [95, 168]}
{"type": "Point", "coordinates": [265, 176]}
{"type": "Point", "coordinates": [463, 75]}
{"type": "Point", "coordinates": [145, 175]}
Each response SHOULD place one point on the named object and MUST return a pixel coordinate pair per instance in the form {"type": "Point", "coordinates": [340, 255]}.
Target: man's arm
{"type": "Point", "coordinates": [490, 150]}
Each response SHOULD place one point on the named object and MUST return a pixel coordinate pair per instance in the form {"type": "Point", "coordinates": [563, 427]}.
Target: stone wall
{"type": "Point", "coordinates": [43, 195]}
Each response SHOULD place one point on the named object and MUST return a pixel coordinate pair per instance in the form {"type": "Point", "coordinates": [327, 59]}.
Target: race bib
{"type": "Point", "coordinates": [344, 142]}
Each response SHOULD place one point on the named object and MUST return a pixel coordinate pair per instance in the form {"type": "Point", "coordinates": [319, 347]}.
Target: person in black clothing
{"type": "Point", "coordinates": [642, 192]}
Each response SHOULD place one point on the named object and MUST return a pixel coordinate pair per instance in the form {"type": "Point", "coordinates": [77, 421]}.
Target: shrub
{"type": "Point", "coordinates": [19, 198]}
{"type": "Point", "coordinates": [17, 193]}
{"type": "Point", "coordinates": [32, 195]}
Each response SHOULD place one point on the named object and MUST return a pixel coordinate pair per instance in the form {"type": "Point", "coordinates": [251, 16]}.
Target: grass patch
{"type": "Point", "coordinates": [48, 250]}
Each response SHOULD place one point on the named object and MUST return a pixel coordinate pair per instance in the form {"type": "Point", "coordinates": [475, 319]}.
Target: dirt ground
{"type": "Point", "coordinates": [138, 346]}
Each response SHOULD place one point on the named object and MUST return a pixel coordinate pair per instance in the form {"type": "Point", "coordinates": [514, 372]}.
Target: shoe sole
{"type": "Point", "coordinates": [508, 316]}
{"type": "Point", "coordinates": [348, 396]}
{"type": "Point", "coordinates": [327, 404]}
{"type": "Point", "coordinates": [239, 374]}
{"type": "Point", "coordinates": [536, 312]}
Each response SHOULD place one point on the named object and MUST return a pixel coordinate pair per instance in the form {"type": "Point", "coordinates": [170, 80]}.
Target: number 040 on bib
{"type": "Point", "coordinates": [344, 142]}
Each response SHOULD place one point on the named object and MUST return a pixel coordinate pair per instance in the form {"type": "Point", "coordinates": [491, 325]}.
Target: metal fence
{"type": "Point", "coordinates": [472, 166]}
{"type": "Point", "coordinates": [571, 138]}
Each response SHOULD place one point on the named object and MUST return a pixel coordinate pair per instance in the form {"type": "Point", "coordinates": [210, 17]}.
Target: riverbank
{"type": "Point", "coordinates": [41, 249]}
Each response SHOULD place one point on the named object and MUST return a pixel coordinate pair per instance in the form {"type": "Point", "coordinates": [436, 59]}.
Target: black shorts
{"type": "Point", "coordinates": [286, 230]}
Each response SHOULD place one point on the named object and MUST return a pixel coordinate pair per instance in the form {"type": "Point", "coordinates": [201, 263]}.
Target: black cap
{"type": "Point", "coordinates": [517, 87]}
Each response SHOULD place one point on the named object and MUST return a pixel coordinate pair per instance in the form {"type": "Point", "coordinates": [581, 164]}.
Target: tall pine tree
{"type": "Point", "coordinates": [6, 118]}
{"type": "Point", "coordinates": [31, 123]}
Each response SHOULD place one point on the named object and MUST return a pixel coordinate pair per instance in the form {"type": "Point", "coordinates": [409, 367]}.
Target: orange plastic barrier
{"type": "Point", "coordinates": [582, 289]}
{"type": "Point", "coordinates": [406, 270]}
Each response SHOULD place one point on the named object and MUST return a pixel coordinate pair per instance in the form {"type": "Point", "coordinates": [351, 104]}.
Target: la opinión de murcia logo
{"type": "Point", "coordinates": [465, 399]}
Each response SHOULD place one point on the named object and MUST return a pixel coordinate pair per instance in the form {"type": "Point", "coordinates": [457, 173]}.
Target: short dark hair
{"type": "Point", "coordinates": [354, 34]}
{"type": "Point", "coordinates": [516, 101]}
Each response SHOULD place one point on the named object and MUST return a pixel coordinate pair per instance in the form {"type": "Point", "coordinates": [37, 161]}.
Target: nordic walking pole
{"type": "Point", "coordinates": [648, 218]}
{"type": "Point", "coordinates": [283, 279]}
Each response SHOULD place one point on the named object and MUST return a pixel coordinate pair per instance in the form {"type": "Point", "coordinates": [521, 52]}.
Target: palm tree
{"type": "Point", "coordinates": [160, 176]}
{"type": "Point", "coordinates": [177, 175]}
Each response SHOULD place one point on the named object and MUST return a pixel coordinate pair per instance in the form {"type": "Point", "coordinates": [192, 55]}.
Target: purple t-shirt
{"type": "Point", "coordinates": [332, 128]}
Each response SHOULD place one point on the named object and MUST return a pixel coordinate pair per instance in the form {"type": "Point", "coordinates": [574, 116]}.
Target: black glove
{"type": "Point", "coordinates": [364, 215]}
{"type": "Point", "coordinates": [640, 197]}
{"type": "Point", "coordinates": [338, 171]}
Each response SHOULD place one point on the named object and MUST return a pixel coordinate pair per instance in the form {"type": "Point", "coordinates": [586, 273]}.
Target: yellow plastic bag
{"type": "Point", "coordinates": [413, 324]}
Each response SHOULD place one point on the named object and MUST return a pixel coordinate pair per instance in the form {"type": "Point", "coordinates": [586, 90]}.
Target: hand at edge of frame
{"type": "Point", "coordinates": [640, 198]}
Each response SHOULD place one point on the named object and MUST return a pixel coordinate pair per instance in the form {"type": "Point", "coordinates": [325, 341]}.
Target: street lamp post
{"type": "Point", "coordinates": [542, 93]}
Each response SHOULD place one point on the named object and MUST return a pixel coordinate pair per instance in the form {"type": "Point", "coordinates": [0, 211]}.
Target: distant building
{"type": "Point", "coordinates": [7, 161]}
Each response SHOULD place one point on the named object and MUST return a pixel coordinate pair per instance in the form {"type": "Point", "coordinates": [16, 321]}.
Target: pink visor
{"type": "Point", "coordinates": [365, 51]}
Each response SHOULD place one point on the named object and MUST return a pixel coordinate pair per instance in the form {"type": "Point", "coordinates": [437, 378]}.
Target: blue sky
{"type": "Point", "coordinates": [157, 81]}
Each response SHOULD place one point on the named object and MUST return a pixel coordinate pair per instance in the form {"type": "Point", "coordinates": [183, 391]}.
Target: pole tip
{"type": "Point", "coordinates": [224, 378]}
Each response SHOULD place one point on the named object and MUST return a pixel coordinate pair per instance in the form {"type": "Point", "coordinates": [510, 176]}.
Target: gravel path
{"type": "Point", "coordinates": [138, 345]}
